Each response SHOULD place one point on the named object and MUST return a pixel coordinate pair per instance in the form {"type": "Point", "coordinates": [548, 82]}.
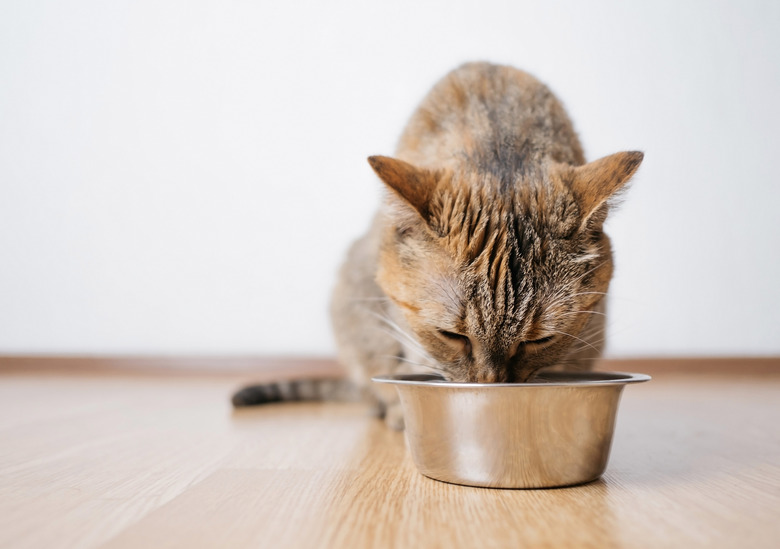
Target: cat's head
{"type": "Point", "coordinates": [497, 278]}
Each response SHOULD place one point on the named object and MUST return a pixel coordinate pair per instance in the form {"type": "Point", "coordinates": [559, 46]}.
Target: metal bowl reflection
{"type": "Point", "coordinates": [555, 431]}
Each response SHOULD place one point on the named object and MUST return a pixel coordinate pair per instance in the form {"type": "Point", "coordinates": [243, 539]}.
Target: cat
{"type": "Point", "coordinates": [487, 260]}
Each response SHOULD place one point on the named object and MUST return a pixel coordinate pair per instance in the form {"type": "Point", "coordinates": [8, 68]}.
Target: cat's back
{"type": "Point", "coordinates": [481, 114]}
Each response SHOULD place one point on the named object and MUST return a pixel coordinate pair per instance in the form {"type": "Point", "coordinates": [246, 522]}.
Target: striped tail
{"type": "Point", "coordinates": [336, 389]}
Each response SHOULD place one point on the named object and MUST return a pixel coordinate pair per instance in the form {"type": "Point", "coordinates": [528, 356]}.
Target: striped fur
{"type": "Point", "coordinates": [296, 390]}
{"type": "Point", "coordinates": [487, 260]}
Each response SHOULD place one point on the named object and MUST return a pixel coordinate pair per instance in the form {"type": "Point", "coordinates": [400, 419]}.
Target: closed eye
{"type": "Point", "coordinates": [458, 339]}
{"type": "Point", "coordinates": [452, 335]}
{"type": "Point", "coordinates": [540, 341]}
{"type": "Point", "coordinates": [532, 344]}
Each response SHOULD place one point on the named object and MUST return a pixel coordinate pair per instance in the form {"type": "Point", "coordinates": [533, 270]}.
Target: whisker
{"type": "Point", "coordinates": [587, 335]}
{"type": "Point", "coordinates": [577, 347]}
{"type": "Point", "coordinates": [578, 294]}
{"type": "Point", "coordinates": [435, 368]}
{"type": "Point", "coordinates": [407, 338]}
{"type": "Point", "coordinates": [397, 336]}
{"type": "Point", "coordinates": [583, 313]}
{"type": "Point", "coordinates": [593, 330]}
{"type": "Point", "coordinates": [408, 361]}
{"type": "Point", "coordinates": [561, 293]}
{"type": "Point", "coordinates": [578, 339]}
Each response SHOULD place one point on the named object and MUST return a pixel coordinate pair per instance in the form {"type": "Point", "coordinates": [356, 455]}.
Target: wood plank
{"type": "Point", "coordinates": [91, 460]}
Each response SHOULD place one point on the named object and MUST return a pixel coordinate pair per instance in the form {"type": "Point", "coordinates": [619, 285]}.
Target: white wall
{"type": "Point", "coordinates": [183, 177]}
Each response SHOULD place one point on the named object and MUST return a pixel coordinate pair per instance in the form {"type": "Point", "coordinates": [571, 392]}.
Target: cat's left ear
{"type": "Point", "coordinates": [593, 184]}
{"type": "Point", "coordinates": [413, 185]}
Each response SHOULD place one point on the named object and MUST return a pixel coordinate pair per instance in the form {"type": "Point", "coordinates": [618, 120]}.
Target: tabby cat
{"type": "Point", "coordinates": [487, 260]}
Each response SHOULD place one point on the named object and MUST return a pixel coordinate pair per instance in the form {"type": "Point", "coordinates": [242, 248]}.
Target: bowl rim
{"type": "Point", "coordinates": [589, 379]}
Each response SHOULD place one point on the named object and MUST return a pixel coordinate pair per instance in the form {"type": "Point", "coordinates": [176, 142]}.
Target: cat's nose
{"type": "Point", "coordinates": [486, 376]}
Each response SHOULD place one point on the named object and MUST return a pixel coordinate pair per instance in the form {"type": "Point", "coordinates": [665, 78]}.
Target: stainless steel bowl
{"type": "Point", "coordinates": [556, 431]}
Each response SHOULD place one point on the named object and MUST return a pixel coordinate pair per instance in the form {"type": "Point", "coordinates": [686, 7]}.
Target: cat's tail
{"type": "Point", "coordinates": [329, 389]}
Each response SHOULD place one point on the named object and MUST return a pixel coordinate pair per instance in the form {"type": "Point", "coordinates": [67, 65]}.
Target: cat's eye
{"type": "Point", "coordinates": [458, 339]}
{"type": "Point", "coordinates": [531, 344]}
{"type": "Point", "coordinates": [540, 341]}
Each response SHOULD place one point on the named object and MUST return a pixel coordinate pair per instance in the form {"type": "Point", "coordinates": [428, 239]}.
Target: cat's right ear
{"type": "Point", "coordinates": [415, 186]}
{"type": "Point", "coordinates": [596, 183]}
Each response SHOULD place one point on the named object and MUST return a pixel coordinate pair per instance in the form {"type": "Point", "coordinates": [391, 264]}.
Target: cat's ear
{"type": "Point", "coordinates": [414, 185]}
{"type": "Point", "coordinates": [593, 184]}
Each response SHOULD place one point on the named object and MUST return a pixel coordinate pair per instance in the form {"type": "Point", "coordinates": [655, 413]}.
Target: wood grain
{"type": "Point", "coordinates": [94, 460]}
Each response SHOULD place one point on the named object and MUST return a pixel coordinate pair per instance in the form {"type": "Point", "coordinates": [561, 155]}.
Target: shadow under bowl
{"type": "Point", "coordinates": [554, 431]}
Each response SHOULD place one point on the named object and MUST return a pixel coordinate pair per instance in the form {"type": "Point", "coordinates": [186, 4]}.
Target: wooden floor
{"type": "Point", "coordinates": [132, 461]}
